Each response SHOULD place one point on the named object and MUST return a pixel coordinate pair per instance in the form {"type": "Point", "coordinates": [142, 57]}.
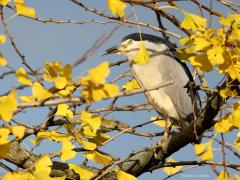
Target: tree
{"type": "Point", "coordinates": [79, 110]}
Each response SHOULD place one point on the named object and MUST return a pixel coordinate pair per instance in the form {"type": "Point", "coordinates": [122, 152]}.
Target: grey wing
{"type": "Point", "coordinates": [181, 100]}
{"type": "Point", "coordinates": [178, 92]}
{"type": "Point", "coordinates": [194, 93]}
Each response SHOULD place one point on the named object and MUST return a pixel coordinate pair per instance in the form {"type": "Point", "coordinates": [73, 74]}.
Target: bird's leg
{"type": "Point", "coordinates": [168, 127]}
{"type": "Point", "coordinates": [166, 135]}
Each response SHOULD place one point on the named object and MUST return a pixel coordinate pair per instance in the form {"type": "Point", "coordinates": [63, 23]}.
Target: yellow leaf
{"type": "Point", "coordinates": [66, 71]}
{"type": "Point", "coordinates": [183, 53]}
{"type": "Point", "coordinates": [235, 115]}
{"type": "Point", "coordinates": [94, 93]}
{"type": "Point", "coordinates": [108, 123]}
{"type": "Point", "coordinates": [3, 61]}
{"type": "Point", "coordinates": [4, 2]}
{"type": "Point", "coordinates": [43, 165]}
{"type": "Point", "coordinates": [223, 175]}
{"type": "Point", "coordinates": [160, 123]}
{"type": "Point", "coordinates": [27, 98]}
{"type": "Point", "coordinates": [223, 125]}
{"type": "Point", "coordinates": [110, 90]}
{"type": "Point", "coordinates": [185, 41]}
{"type": "Point", "coordinates": [171, 170]}
{"type": "Point", "coordinates": [215, 55]}
{"type": "Point", "coordinates": [2, 37]}
{"type": "Point", "coordinates": [4, 132]}
{"type": "Point", "coordinates": [237, 177]}
{"type": "Point", "coordinates": [225, 21]}
{"type": "Point", "coordinates": [18, 176]}
{"type": "Point", "coordinates": [23, 77]}
{"type": "Point", "coordinates": [235, 35]}
{"type": "Point", "coordinates": [88, 145]}
{"type": "Point", "coordinates": [57, 74]}
{"type": "Point", "coordinates": [231, 65]}
{"type": "Point", "coordinates": [97, 75]}
{"type": "Point", "coordinates": [64, 92]}
{"type": "Point", "coordinates": [99, 139]}
{"type": "Point", "coordinates": [43, 169]}
{"type": "Point", "coordinates": [8, 105]}
{"type": "Point", "coordinates": [23, 10]}
{"type": "Point", "coordinates": [233, 71]}
{"type": "Point", "coordinates": [13, 93]}
{"type": "Point", "coordinates": [133, 84]}
{"type": "Point", "coordinates": [117, 7]}
{"type": "Point", "coordinates": [229, 20]}
{"type": "Point", "coordinates": [60, 82]}
{"type": "Point", "coordinates": [40, 92]}
{"type": "Point", "coordinates": [98, 158]}
{"type": "Point", "coordinates": [228, 93]}
{"type": "Point", "coordinates": [204, 150]}
{"type": "Point", "coordinates": [87, 132]}
{"type": "Point", "coordinates": [85, 116]}
{"type": "Point", "coordinates": [18, 131]}
{"type": "Point", "coordinates": [202, 62]}
{"type": "Point", "coordinates": [193, 22]}
{"type": "Point", "coordinates": [63, 110]}
{"type": "Point", "coordinates": [83, 173]}
{"type": "Point", "coordinates": [142, 56]}
{"type": "Point", "coordinates": [237, 141]}
{"type": "Point", "coordinates": [51, 69]}
{"type": "Point", "coordinates": [201, 43]}
{"type": "Point", "coordinates": [121, 175]}
{"type": "Point", "coordinates": [67, 151]}
{"type": "Point", "coordinates": [88, 120]}
{"type": "Point", "coordinates": [95, 88]}
{"type": "Point", "coordinates": [4, 150]}
{"type": "Point", "coordinates": [53, 136]}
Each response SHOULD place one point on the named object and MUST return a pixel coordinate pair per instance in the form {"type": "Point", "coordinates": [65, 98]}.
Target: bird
{"type": "Point", "coordinates": [175, 102]}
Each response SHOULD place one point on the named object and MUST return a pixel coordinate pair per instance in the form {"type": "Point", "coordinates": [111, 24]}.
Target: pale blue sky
{"type": "Point", "coordinates": [41, 42]}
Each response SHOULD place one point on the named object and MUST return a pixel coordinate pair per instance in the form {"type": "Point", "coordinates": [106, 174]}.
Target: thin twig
{"type": "Point", "coordinates": [228, 146]}
{"type": "Point", "coordinates": [80, 100]}
{"type": "Point", "coordinates": [4, 166]}
{"type": "Point", "coordinates": [124, 20]}
{"type": "Point", "coordinates": [132, 107]}
{"type": "Point", "coordinates": [22, 57]}
{"type": "Point", "coordinates": [6, 73]}
{"type": "Point", "coordinates": [130, 128]}
{"type": "Point", "coordinates": [97, 44]}
{"type": "Point", "coordinates": [184, 163]}
{"type": "Point", "coordinates": [181, 171]}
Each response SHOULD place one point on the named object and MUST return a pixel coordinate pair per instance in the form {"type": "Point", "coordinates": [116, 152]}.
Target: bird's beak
{"type": "Point", "coordinates": [112, 50]}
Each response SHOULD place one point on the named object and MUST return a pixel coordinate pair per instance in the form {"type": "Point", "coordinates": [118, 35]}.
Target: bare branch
{"type": "Point", "coordinates": [97, 44]}
{"type": "Point", "coordinates": [22, 57]}
{"type": "Point", "coordinates": [200, 163]}
{"type": "Point", "coordinates": [80, 100]}
{"type": "Point", "coordinates": [124, 20]}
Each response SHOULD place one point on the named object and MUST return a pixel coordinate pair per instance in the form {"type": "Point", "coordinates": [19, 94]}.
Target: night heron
{"type": "Point", "coordinates": [174, 102]}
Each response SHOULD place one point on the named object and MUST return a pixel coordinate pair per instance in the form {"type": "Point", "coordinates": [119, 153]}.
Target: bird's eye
{"type": "Point", "coordinates": [130, 41]}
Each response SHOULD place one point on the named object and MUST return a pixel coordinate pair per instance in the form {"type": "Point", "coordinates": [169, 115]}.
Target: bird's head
{"type": "Point", "coordinates": [129, 46]}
